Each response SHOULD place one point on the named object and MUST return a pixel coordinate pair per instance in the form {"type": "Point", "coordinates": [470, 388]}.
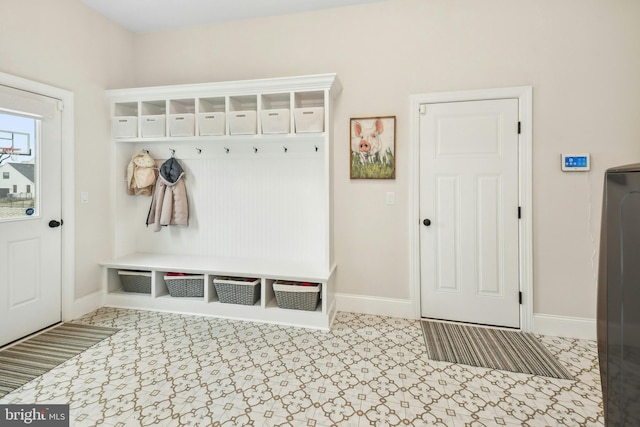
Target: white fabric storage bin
{"type": "Point", "coordinates": [153, 126]}
{"type": "Point", "coordinates": [242, 122]}
{"type": "Point", "coordinates": [211, 124]}
{"type": "Point", "coordinates": [309, 119]}
{"type": "Point", "coordinates": [182, 124]}
{"type": "Point", "coordinates": [125, 127]}
{"type": "Point", "coordinates": [275, 121]}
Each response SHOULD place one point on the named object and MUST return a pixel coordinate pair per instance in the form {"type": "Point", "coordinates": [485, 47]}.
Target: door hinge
{"type": "Point", "coordinates": [60, 105]}
{"type": "Point", "coordinates": [519, 128]}
{"type": "Point", "coordinates": [520, 298]}
{"type": "Point", "coordinates": [423, 109]}
{"type": "Point", "coordinates": [519, 212]}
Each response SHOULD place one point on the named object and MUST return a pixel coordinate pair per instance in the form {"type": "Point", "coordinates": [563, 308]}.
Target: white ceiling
{"type": "Point", "coordinates": [154, 15]}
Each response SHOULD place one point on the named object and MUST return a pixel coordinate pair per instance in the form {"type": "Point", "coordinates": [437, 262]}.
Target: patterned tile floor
{"type": "Point", "coordinates": [166, 369]}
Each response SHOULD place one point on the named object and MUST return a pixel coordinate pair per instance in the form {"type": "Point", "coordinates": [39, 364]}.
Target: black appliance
{"type": "Point", "coordinates": [618, 324]}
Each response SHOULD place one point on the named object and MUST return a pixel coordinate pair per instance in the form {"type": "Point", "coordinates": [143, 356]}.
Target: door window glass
{"type": "Point", "coordinates": [18, 164]}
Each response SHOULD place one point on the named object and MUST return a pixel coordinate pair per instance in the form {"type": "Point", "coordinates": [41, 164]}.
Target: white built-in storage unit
{"type": "Point", "coordinates": [257, 156]}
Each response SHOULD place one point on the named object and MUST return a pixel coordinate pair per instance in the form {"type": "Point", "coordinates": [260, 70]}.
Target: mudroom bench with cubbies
{"type": "Point", "coordinates": [257, 161]}
{"type": "Point", "coordinates": [155, 269]}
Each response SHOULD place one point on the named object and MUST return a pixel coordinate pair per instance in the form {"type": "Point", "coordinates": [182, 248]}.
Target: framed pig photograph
{"type": "Point", "coordinates": [373, 147]}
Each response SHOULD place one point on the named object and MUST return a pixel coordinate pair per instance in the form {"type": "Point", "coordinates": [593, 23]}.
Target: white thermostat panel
{"type": "Point", "coordinates": [576, 162]}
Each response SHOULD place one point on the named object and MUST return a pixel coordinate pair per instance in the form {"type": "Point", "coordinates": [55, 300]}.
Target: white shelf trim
{"type": "Point", "coordinates": [317, 82]}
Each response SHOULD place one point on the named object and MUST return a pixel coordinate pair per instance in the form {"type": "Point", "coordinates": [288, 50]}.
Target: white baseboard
{"type": "Point", "coordinates": [84, 305]}
{"type": "Point", "coordinates": [391, 307]}
{"type": "Point", "coordinates": [564, 326]}
{"type": "Point", "coordinates": [543, 324]}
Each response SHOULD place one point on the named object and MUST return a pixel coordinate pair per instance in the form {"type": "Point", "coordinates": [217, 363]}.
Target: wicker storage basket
{"type": "Point", "coordinates": [185, 286]}
{"type": "Point", "coordinates": [237, 290]}
{"type": "Point", "coordinates": [296, 297]}
{"type": "Point", "coordinates": [135, 281]}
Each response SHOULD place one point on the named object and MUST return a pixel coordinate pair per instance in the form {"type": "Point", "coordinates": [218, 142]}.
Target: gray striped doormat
{"type": "Point", "coordinates": [490, 348]}
{"type": "Point", "coordinates": [37, 355]}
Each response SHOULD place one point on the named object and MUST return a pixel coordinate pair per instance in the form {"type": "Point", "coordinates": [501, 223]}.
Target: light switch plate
{"type": "Point", "coordinates": [391, 198]}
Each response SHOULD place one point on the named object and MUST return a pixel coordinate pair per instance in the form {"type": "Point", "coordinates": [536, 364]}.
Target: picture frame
{"type": "Point", "coordinates": [373, 147]}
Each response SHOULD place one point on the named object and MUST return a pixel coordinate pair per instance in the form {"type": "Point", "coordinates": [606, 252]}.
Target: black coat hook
{"type": "Point", "coordinates": [255, 150]}
{"type": "Point", "coordinates": [199, 150]}
{"type": "Point", "coordinates": [226, 149]}
{"type": "Point", "coordinates": [285, 149]}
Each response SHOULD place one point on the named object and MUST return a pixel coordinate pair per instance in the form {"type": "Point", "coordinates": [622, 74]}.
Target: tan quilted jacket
{"type": "Point", "coordinates": [141, 175]}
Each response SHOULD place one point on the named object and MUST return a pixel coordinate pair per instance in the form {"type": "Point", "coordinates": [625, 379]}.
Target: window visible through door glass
{"type": "Point", "coordinates": [18, 164]}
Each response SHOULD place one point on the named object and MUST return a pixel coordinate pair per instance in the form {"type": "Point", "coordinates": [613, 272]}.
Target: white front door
{"type": "Point", "coordinates": [469, 208]}
{"type": "Point", "coordinates": [30, 213]}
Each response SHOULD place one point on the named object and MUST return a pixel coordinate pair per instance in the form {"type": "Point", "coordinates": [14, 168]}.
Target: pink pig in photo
{"type": "Point", "coordinates": [373, 147]}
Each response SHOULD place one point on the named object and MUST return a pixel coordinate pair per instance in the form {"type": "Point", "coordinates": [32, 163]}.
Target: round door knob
{"type": "Point", "coordinates": [426, 222]}
{"type": "Point", "coordinates": [53, 223]}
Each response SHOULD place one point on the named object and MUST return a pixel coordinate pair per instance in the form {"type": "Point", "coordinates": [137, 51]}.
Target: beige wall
{"type": "Point", "coordinates": [64, 44]}
{"type": "Point", "coordinates": [581, 57]}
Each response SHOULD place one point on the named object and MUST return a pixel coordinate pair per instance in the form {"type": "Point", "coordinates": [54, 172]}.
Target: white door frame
{"type": "Point", "coordinates": [67, 144]}
{"type": "Point", "coordinates": [524, 94]}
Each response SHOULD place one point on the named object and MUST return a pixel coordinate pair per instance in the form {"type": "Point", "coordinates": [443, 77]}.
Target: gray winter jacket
{"type": "Point", "coordinates": [169, 204]}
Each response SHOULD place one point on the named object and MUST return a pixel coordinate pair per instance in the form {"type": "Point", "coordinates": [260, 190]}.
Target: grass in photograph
{"type": "Point", "coordinates": [383, 167]}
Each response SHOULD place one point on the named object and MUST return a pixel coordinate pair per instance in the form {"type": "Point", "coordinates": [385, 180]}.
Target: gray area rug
{"type": "Point", "coordinates": [37, 355]}
{"type": "Point", "coordinates": [512, 351]}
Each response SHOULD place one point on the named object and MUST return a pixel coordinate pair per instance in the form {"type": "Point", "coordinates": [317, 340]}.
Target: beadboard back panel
{"type": "Point", "coordinates": [266, 205]}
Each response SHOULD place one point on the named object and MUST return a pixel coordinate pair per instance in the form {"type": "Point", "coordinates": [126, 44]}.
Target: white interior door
{"type": "Point", "coordinates": [30, 213]}
{"type": "Point", "coordinates": [469, 208]}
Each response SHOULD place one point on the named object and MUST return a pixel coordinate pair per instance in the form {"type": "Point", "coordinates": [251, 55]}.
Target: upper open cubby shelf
{"type": "Point", "coordinates": [285, 106]}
